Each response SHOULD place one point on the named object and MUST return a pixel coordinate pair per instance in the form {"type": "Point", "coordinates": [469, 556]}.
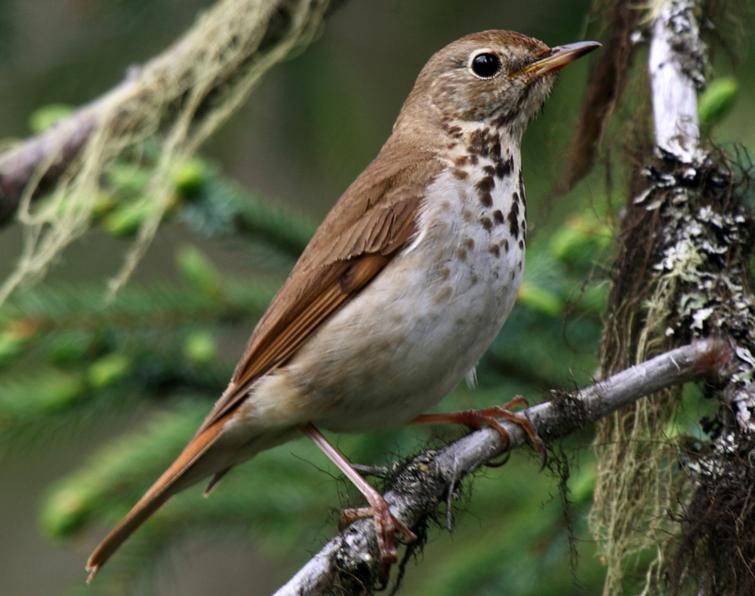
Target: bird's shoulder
{"type": "Point", "coordinates": [374, 218]}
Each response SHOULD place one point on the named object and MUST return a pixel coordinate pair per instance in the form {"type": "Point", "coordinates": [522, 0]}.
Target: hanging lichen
{"type": "Point", "coordinates": [174, 102]}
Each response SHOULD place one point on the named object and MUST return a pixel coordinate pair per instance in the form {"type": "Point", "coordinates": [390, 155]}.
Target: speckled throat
{"type": "Point", "coordinates": [488, 156]}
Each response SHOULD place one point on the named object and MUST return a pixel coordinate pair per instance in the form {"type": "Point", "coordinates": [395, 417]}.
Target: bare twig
{"type": "Point", "coordinates": [605, 89]}
{"type": "Point", "coordinates": [349, 560]}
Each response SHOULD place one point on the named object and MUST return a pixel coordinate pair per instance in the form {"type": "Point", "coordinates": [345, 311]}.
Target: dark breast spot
{"type": "Point", "coordinates": [454, 131]}
{"type": "Point", "coordinates": [498, 216]}
{"type": "Point", "coordinates": [479, 142]}
{"type": "Point", "coordinates": [513, 217]}
{"type": "Point", "coordinates": [486, 223]}
{"type": "Point", "coordinates": [468, 243]}
{"type": "Point", "coordinates": [485, 184]}
{"type": "Point", "coordinates": [460, 174]}
{"type": "Point", "coordinates": [494, 249]}
{"type": "Point", "coordinates": [503, 168]}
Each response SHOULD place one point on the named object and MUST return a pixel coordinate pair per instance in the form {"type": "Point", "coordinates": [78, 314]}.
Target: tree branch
{"type": "Point", "coordinates": [350, 559]}
{"type": "Point", "coordinates": [40, 161]}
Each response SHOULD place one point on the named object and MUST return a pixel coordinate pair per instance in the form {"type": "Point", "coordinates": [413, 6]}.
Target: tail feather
{"type": "Point", "coordinates": [157, 494]}
{"type": "Point", "coordinates": [216, 477]}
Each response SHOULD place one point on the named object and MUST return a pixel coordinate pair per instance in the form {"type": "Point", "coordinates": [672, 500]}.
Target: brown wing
{"type": "Point", "coordinates": [370, 223]}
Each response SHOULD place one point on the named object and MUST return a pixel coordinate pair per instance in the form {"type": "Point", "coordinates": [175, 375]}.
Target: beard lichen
{"type": "Point", "coordinates": [682, 275]}
{"type": "Point", "coordinates": [173, 103]}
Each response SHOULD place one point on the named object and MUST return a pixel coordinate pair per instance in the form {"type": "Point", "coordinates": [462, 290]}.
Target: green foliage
{"type": "Point", "coordinates": [717, 100]}
{"type": "Point", "coordinates": [190, 178]}
{"type": "Point", "coordinates": [205, 201]}
{"type": "Point", "coordinates": [108, 370]}
{"type": "Point", "coordinates": [198, 272]}
{"type": "Point", "coordinates": [200, 348]}
{"type": "Point", "coordinates": [47, 116]}
{"type": "Point", "coordinates": [126, 220]}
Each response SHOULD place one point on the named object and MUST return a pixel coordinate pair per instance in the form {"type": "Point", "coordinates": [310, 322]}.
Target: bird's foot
{"type": "Point", "coordinates": [476, 419]}
{"type": "Point", "coordinates": [386, 527]}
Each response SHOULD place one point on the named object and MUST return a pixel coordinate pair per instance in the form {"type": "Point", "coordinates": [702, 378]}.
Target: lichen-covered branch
{"type": "Point", "coordinates": [680, 274]}
{"type": "Point", "coordinates": [706, 235]}
{"type": "Point", "coordinates": [349, 561]}
{"type": "Point", "coordinates": [171, 104]}
{"type": "Point", "coordinates": [47, 154]}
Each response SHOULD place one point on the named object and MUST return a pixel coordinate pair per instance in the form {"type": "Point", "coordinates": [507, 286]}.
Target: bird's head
{"type": "Point", "coordinates": [495, 77]}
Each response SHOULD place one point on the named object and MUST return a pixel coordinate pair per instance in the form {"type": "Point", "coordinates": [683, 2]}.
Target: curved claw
{"type": "Point", "coordinates": [490, 417]}
{"type": "Point", "coordinates": [386, 526]}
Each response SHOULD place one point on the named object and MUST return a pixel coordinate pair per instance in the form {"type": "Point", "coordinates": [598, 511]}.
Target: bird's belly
{"type": "Point", "coordinates": [408, 338]}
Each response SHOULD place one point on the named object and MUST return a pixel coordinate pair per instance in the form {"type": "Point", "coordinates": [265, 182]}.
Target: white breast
{"type": "Point", "coordinates": [406, 340]}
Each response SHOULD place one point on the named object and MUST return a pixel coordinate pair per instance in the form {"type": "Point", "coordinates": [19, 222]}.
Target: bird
{"type": "Point", "coordinates": [400, 291]}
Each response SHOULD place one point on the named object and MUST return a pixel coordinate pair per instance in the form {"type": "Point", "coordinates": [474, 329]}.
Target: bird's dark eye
{"type": "Point", "coordinates": [486, 65]}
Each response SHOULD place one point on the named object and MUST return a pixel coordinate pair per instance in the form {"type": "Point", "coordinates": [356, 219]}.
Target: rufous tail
{"type": "Point", "coordinates": [157, 494]}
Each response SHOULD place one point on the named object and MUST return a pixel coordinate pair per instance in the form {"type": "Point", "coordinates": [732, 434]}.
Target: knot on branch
{"type": "Point", "coordinates": [572, 411]}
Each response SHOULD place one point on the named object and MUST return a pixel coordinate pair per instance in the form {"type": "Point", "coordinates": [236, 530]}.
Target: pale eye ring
{"type": "Point", "coordinates": [485, 64]}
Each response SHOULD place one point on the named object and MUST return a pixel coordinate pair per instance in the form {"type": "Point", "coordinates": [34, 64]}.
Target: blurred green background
{"type": "Point", "coordinates": [95, 400]}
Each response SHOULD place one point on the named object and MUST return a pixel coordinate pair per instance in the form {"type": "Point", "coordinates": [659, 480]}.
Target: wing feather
{"type": "Point", "coordinates": [371, 222]}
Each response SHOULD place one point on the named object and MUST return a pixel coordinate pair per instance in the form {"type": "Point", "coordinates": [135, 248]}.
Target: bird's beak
{"type": "Point", "coordinates": [559, 57]}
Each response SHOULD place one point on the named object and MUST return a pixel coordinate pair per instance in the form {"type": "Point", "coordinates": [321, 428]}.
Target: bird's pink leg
{"type": "Point", "coordinates": [489, 417]}
{"type": "Point", "coordinates": [385, 524]}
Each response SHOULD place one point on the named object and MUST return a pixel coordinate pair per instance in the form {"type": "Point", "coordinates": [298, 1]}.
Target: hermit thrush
{"type": "Point", "coordinates": [403, 286]}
